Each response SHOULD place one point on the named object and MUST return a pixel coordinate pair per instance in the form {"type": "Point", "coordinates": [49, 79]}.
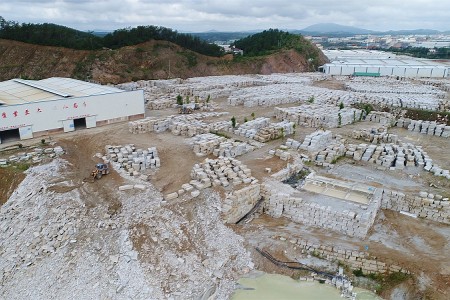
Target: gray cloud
{"type": "Point", "coordinates": [231, 15]}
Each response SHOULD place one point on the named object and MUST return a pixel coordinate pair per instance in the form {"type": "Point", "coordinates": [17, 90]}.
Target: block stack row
{"type": "Point", "coordinates": [134, 161]}
{"type": "Point", "coordinates": [424, 205]}
{"type": "Point", "coordinates": [221, 172]}
{"type": "Point", "coordinates": [384, 118]}
{"type": "Point", "coordinates": [222, 126]}
{"type": "Point", "coordinates": [389, 86]}
{"type": "Point", "coordinates": [159, 125]}
{"type": "Point", "coordinates": [188, 128]}
{"type": "Point", "coordinates": [35, 156]}
{"type": "Point", "coordinates": [395, 157]}
{"type": "Point", "coordinates": [316, 116]}
{"type": "Point", "coordinates": [425, 127]}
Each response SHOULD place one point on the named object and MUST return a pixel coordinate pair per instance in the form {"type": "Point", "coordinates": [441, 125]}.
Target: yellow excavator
{"type": "Point", "coordinates": [99, 171]}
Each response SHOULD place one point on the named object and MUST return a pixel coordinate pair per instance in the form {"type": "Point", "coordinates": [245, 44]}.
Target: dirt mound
{"type": "Point", "coordinates": [10, 178]}
{"type": "Point", "coordinates": [150, 60]}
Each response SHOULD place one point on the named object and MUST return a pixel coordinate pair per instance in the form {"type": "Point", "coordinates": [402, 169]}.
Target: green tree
{"type": "Point", "coordinates": [179, 100]}
{"type": "Point", "coordinates": [233, 122]}
{"type": "Point", "coordinates": [187, 100]}
{"type": "Point", "coordinates": [253, 115]}
{"type": "Point", "coordinates": [341, 105]}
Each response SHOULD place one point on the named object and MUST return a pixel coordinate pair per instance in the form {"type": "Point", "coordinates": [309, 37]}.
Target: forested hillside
{"type": "Point", "coordinates": [145, 52]}
{"type": "Point", "coordinates": [272, 40]}
{"type": "Point", "coordinates": [61, 36]}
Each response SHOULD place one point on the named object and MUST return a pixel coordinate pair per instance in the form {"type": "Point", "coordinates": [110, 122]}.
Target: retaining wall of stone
{"type": "Point", "coordinates": [354, 258]}
{"type": "Point", "coordinates": [238, 203]}
{"type": "Point", "coordinates": [282, 200]}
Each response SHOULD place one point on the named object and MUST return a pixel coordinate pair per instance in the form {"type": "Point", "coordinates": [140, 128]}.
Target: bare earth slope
{"type": "Point", "coordinates": [150, 60]}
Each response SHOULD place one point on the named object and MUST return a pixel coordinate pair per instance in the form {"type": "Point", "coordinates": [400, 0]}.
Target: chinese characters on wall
{"type": "Point", "coordinates": [27, 111]}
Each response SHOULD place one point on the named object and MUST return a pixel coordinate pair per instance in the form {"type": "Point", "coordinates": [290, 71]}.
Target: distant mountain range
{"type": "Point", "coordinates": [321, 29]}
{"type": "Point", "coordinates": [336, 29]}
{"type": "Point", "coordinates": [326, 28]}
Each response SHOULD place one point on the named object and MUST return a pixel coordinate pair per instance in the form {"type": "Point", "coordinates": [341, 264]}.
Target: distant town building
{"type": "Point", "coordinates": [377, 63]}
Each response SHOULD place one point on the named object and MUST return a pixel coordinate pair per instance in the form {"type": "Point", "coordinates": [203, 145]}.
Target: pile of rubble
{"type": "Point", "coordinates": [132, 160]}
{"type": "Point", "coordinates": [184, 251]}
{"type": "Point", "coordinates": [35, 156]}
{"type": "Point", "coordinates": [316, 116]}
{"type": "Point", "coordinates": [425, 127]}
{"type": "Point", "coordinates": [375, 135]}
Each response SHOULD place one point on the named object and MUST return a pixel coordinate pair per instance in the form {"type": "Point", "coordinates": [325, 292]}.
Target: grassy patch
{"type": "Point", "coordinates": [426, 115]}
{"type": "Point", "coordinates": [384, 281]}
{"type": "Point", "coordinates": [220, 134]}
{"type": "Point", "coordinates": [337, 159]}
{"type": "Point", "coordinates": [191, 58]}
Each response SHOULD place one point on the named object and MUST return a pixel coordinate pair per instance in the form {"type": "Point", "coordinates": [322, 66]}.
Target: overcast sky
{"type": "Point", "coordinates": [231, 15]}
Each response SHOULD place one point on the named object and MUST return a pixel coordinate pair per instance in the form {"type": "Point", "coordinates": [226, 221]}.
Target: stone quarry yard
{"type": "Point", "coordinates": [63, 235]}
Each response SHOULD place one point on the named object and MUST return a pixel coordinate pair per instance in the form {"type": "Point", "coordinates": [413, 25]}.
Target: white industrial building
{"type": "Point", "coordinates": [377, 63]}
{"type": "Point", "coordinates": [32, 108]}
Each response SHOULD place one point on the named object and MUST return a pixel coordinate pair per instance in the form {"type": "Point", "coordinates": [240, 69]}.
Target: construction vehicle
{"type": "Point", "coordinates": [188, 108]}
{"type": "Point", "coordinates": [99, 171]}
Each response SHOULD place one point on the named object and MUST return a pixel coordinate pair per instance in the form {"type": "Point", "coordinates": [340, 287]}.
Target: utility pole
{"type": "Point", "coordinates": [169, 69]}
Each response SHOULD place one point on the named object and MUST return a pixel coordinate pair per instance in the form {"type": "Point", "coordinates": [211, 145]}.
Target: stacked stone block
{"type": "Point", "coordinates": [425, 127]}
{"type": "Point", "coordinates": [221, 172]}
{"type": "Point", "coordinates": [316, 116]}
{"type": "Point", "coordinates": [384, 118]}
{"type": "Point", "coordinates": [249, 129]}
{"type": "Point", "coordinates": [238, 203]}
{"type": "Point", "coordinates": [375, 135]}
{"type": "Point", "coordinates": [330, 154]}
{"type": "Point", "coordinates": [317, 141]}
{"type": "Point", "coordinates": [134, 161]}
{"type": "Point", "coordinates": [395, 156]}
{"type": "Point", "coordinates": [35, 156]}
{"type": "Point", "coordinates": [208, 143]}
